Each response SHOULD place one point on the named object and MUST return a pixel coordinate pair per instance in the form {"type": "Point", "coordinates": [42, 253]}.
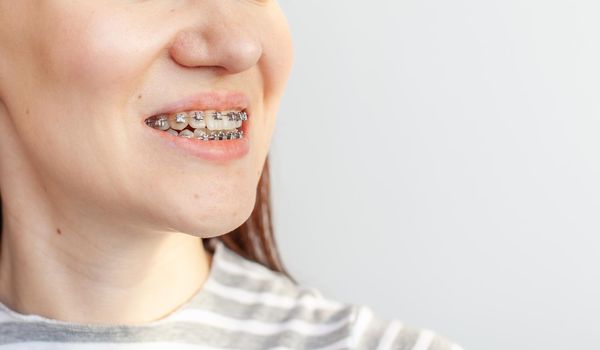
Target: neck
{"type": "Point", "coordinates": [86, 272]}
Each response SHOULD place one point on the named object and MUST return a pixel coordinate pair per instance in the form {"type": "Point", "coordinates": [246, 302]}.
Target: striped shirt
{"type": "Point", "coordinates": [241, 305]}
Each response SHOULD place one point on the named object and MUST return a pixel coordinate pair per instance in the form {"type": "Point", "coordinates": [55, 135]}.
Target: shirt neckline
{"type": "Point", "coordinates": [196, 300]}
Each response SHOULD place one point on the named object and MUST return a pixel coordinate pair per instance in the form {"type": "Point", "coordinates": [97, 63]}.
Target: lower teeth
{"type": "Point", "coordinates": [210, 135]}
{"type": "Point", "coordinates": [201, 133]}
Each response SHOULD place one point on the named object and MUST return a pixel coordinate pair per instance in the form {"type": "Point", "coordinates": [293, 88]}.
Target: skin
{"type": "Point", "coordinates": [102, 224]}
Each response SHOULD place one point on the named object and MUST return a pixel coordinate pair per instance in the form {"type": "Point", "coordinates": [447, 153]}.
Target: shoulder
{"type": "Point", "coordinates": [311, 320]}
{"type": "Point", "coordinates": [375, 332]}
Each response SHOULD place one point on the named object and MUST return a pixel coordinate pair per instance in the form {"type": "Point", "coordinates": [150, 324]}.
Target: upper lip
{"type": "Point", "coordinates": [207, 100]}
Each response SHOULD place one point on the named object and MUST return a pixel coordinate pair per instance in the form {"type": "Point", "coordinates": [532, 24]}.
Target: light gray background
{"type": "Point", "coordinates": [440, 161]}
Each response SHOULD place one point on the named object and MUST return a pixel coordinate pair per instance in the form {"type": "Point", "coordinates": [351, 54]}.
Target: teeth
{"type": "Point", "coordinates": [186, 133]}
{"type": "Point", "coordinates": [178, 121]}
{"type": "Point", "coordinates": [234, 116]}
{"type": "Point", "coordinates": [220, 121]}
{"type": "Point", "coordinates": [222, 124]}
{"type": "Point", "coordinates": [231, 125]}
{"type": "Point", "coordinates": [203, 125]}
{"type": "Point", "coordinates": [161, 123]}
{"type": "Point", "coordinates": [213, 121]}
{"type": "Point", "coordinates": [201, 133]}
{"type": "Point", "coordinates": [196, 119]}
{"type": "Point", "coordinates": [225, 135]}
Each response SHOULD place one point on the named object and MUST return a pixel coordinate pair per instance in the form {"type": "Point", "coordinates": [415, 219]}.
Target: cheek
{"type": "Point", "coordinates": [278, 58]}
{"type": "Point", "coordinates": [275, 67]}
{"type": "Point", "coordinates": [82, 71]}
{"type": "Point", "coordinates": [98, 53]}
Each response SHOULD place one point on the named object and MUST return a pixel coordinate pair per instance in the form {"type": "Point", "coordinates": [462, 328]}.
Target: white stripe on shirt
{"type": "Point", "coordinates": [424, 340]}
{"type": "Point", "coordinates": [259, 327]}
{"type": "Point", "coordinates": [270, 299]}
{"type": "Point", "coordinates": [390, 334]}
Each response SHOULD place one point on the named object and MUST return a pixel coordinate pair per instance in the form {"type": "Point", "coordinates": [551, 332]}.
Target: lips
{"type": "Point", "coordinates": [225, 150]}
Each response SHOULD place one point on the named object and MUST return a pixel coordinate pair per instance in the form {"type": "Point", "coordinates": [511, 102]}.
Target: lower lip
{"type": "Point", "coordinates": [215, 150]}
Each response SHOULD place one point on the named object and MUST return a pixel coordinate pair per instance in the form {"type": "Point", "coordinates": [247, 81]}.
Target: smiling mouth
{"type": "Point", "coordinates": [209, 125]}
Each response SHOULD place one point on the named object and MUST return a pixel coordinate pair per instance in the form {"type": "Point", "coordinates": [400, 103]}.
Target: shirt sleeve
{"type": "Point", "coordinates": [376, 333]}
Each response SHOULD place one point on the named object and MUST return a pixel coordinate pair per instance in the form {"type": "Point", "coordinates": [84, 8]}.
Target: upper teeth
{"type": "Point", "coordinates": [196, 119]}
{"type": "Point", "coordinates": [213, 120]}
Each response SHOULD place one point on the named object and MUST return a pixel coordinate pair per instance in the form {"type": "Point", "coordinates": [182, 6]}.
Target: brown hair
{"type": "Point", "coordinates": [253, 240]}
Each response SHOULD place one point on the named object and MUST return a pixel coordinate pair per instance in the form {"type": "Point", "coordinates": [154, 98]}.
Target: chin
{"type": "Point", "coordinates": [212, 219]}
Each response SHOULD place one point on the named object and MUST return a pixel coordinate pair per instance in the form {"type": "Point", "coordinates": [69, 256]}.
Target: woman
{"type": "Point", "coordinates": [134, 178]}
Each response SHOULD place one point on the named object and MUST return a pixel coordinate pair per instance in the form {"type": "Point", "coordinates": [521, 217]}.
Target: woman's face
{"type": "Point", "coordinates": [78, 78]}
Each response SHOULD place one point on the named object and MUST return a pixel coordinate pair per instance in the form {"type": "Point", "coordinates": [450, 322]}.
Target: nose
{"type": "Point", "coordinates": [221, 40]}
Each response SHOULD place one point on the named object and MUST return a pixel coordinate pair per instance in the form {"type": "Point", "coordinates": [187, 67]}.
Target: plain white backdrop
{"type": "Point", "coordinates": [440, 161]}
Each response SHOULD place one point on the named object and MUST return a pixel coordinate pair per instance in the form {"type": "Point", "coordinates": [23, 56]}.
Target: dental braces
{"type": "Point", "coordinates": [222, 135]}
{"type": "Point", "coordinates": [212, 135]}
{"type": "Point", "coordinates": [162, 122]}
